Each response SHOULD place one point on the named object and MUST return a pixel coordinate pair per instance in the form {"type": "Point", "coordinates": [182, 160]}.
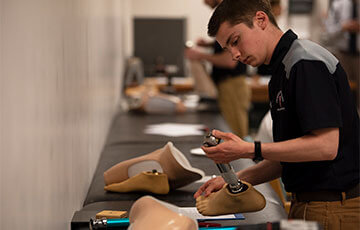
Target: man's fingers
{"type": "Point", "coordinates": [206, 188]}
{"type": "Point", "coordinates": [209, 190]}
{"type": "Point", "coordinates": [202, 189]}
{"type": "Point", "coordinates": [220, 134]}
{"type": "Point", "coordinates": [209, 149]}
{"type": "Point", "coordinates": [199, 191]}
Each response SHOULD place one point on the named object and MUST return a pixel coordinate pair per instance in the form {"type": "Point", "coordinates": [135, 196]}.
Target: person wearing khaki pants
{"type": "Point", "coordinates": [234, 102]}
{"type": "Point", "coordinates": [341, 214]}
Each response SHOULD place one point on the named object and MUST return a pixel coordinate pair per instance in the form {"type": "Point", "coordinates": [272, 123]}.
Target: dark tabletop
{"type": "Point", "coordinates": [129, 127]}
{"type": "Point", "coordinates": [126, 140]}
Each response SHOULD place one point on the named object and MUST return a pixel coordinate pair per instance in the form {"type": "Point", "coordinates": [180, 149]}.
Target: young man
{"type": "Point", "coordinates": [315, 122]}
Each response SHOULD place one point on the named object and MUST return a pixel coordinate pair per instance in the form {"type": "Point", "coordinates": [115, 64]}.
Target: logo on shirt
{"type": "Point", "coordinates": [280, 101]}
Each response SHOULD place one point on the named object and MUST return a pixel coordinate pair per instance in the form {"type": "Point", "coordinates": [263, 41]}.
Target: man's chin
{"type": "Point", "coordinates": [254, 64]}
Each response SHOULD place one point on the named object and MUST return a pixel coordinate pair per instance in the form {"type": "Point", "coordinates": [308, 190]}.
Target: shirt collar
{"type": "Point", "coordinates": [281, 49]}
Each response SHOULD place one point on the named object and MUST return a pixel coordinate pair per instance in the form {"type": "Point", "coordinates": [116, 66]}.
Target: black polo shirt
{"type": "Point", "coordinates": [309, 90]}
{"type": "Point", "coordinates": [219, 73]}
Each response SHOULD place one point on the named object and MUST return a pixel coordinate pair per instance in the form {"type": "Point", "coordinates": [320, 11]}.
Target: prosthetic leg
{"type": "Point", "coordinates": [150, 213]}
{"type": "Point", "coordinates": [167, 160]}
{"type": "Point", "coordinates": [234, 197]}
{"type": "Point", "coordinates": [204, 85]}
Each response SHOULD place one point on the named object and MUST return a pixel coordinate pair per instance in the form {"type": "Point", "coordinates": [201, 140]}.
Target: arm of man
{"type": "Point", "coordinates": [222, 59]}
{"type": "Point", "coordinates": [319, 145]}
{"type": "Point", "coordinates": [262, 172]}
{"type": "Point", "coordinates": [204, 43]}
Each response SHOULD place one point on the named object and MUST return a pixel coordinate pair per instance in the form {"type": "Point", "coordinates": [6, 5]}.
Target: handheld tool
{"type": "Point", "coordinates": [105, 223]}
{"type": "Point", "coordinates": [226, 170]}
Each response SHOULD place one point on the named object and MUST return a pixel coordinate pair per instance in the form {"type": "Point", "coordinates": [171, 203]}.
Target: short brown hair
{"type": "Point", "coordinates": [274, 2]}
{"type": "Point", "coordinates": [238, 11]}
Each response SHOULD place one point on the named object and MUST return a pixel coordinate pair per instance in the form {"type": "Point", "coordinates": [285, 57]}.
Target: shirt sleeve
{"type": "Point", "coordinates": [316, 96]}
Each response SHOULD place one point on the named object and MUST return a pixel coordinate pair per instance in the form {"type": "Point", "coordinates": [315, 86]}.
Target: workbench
{"type": "Point", "coordinates": [127, 140]}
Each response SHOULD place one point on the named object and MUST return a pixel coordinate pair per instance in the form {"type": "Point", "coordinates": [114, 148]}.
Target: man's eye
{"type": "Point", "coordinates": [234, 43]}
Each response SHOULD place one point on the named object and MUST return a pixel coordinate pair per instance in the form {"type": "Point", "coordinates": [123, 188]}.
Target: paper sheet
{"type": "Point", "coordinates": [175, 129]}
{"type": "Point", "coordinates": [193, 213]}
{"type": "Point", "coordinates": [198, 151]}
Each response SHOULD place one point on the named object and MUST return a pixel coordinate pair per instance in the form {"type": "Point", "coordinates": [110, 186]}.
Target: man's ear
{"type": "Point", "coordinates": [261, 19]}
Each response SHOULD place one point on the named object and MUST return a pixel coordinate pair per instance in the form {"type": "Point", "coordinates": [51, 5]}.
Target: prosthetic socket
{"type": "Point", "coordinates": [226, 170]}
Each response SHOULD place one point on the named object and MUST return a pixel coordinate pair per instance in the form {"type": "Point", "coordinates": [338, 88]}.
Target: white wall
{"type": "Point", "coordinates": [61, 63]}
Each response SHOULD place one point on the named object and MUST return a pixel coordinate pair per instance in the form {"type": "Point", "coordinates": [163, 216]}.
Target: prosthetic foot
{"type": "Point", "coordinates": [224, 202]}
{"type": "Point", "coordinates": [163, 104]}
{"type": "Point", "coordinates": [153, 182]}
{"type": "Point", "coordinates": [168, 160]}
{"type": "Point", "coordinates": [150, 213]}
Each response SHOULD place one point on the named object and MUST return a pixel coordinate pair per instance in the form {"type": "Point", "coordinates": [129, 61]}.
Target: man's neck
{"type": "Point", "coordinates": [275, 35]}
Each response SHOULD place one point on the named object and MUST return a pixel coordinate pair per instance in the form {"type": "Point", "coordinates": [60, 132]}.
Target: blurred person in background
{"type": "Point", "coordinates": [342, 35]}
{"type": "Point", "coordinates": [234, 94]}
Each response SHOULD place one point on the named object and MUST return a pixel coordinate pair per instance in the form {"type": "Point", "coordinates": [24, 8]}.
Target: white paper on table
{"type": "Point", "coordinates": [192, 212]}
{"type": "Point", "coordinates": [198, 151]}
{"type": "Point", "coordinates": [175, 129]}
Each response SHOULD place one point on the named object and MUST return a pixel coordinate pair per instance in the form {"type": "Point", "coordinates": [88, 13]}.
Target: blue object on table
{"type": "Point", "coordinates": [122, 222]}
{"type": "Point", "coordinates": [237, 216]}
{"type": "Point", "coordinates": [218, 228]}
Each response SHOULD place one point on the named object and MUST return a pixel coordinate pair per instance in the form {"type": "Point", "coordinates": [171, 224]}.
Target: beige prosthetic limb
{"type": "Point", "coordinates": [224, 202]}
{"type": "Point", "coordinates": [153, 182]}
{"type": "Point", "coordinates": [150, 213]}
{"type": "Point", "coordinates": [149, 99]}
{"type": "Point", "coordinates": [204, 85]}
{"type": "Point", "coordinates": [168, 160]}
{"type": "Point", "coordinates": [163, 104]}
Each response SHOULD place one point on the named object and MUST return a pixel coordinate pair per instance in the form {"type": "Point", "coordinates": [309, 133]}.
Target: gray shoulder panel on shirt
{"type": "Point", "coordinates": [308, 50]}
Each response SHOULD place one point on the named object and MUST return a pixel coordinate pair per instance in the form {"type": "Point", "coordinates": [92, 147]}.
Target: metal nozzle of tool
{"type": "Point", "coordinates": [105, 223]}
{"type": "Point", "coordinates": [97, 224]}
{"type": "Point", "coordinates": [226, 170]}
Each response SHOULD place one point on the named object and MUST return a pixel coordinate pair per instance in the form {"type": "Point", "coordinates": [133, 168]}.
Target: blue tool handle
{"type": "Point", "coordinates": [218, 228]}
{"type": "Point", "coordinates": [122, 222]}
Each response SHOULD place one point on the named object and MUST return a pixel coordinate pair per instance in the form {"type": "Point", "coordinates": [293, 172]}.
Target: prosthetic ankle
{"type": "Point", "coordinates": [225, 202]}
{"type": "Point", "coordinates": [150, 213]}
{"type": "Point", "coordinates": [168, 160]}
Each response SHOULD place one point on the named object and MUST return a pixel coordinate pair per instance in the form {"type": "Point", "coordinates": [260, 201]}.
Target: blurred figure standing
{"type": "Point", "coordinates": [343, 27]}
{"type": "Point", "coordinates": [234, 94]}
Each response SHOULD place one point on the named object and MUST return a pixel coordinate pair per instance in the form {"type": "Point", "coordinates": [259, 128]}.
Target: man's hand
{"type": "Point", "coordinates": [204, 43]}
{"type": "Point", "coordinates": [352, 26]}
{"type": "Point", "coordinates": [212, 185]}
{"type": "Point", "coordinates": [232, 148]}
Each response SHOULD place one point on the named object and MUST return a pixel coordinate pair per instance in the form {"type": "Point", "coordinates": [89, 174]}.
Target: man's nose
{"type": "Point", "coordinates": [235, 53]}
